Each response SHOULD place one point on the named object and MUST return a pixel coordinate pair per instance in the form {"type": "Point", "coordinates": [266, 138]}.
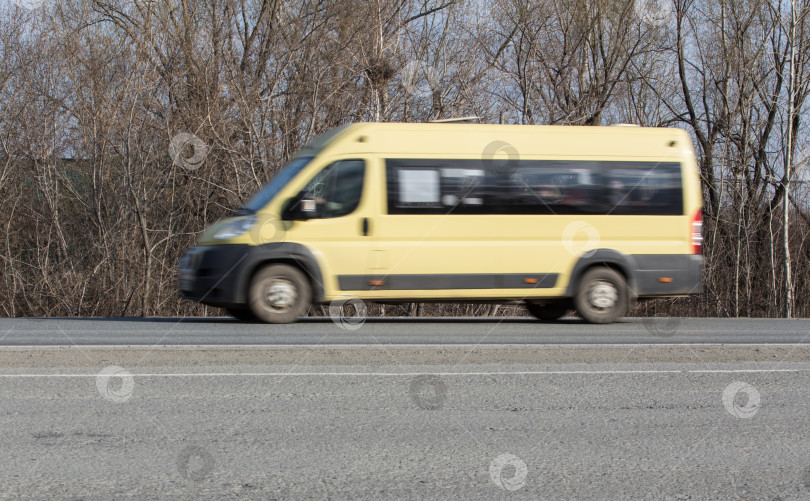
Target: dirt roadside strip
{"type": "Point", "coordinates": [380, 355]}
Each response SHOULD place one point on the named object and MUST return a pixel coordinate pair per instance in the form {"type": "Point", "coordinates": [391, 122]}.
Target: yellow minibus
{"type": "Point", "coordinates": [558, 218]}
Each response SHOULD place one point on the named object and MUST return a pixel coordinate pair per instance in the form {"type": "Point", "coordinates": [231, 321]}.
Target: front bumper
{"type": "Point", "coordinates": [213, 274]}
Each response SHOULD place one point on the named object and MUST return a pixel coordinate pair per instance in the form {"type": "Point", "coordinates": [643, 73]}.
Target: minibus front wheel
{"type": "Point", "coordinates": [279, 294]}
{"type": "Point", "coordinates": [602, 296]}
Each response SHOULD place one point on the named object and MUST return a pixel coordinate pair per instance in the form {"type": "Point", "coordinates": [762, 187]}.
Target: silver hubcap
{"type": "Point", "coordinates": [281, 294]}
{"type": "Point", "coordinates": [603, 295]}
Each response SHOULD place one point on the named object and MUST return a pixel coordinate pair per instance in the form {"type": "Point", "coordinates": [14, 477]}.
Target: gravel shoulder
{"type": "Point", "coordinates": [381, 355]}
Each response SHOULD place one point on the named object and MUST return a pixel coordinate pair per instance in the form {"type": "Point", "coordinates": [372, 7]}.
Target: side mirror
{"type": "Point", "coordinates": [300, 208]}
{"type": "Point", "coordinates": [308, 205]}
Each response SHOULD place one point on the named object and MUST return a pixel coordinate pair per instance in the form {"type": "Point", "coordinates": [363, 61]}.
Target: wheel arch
{"type": "Point", "coordinates": [291, 254]}
{"type": "Point", "coordinates": [608, 258]}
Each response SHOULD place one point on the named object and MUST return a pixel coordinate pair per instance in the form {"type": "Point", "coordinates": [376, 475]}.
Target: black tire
{"type": "Point", "coordinates": [548, 312]}
{"type": "Point", "coordinates": [602, 296]}
{"type": "Point", "coordinates": [279, 294]}
{"type": "Point", "coordinates": [242, 314]}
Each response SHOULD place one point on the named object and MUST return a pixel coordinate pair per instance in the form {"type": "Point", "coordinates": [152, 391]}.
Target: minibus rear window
{"type": "Point", "coordinates": [533, 187]}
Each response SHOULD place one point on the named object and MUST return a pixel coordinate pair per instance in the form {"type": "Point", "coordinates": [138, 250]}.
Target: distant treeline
{"type": "Point", "coordinates": [175, 111]}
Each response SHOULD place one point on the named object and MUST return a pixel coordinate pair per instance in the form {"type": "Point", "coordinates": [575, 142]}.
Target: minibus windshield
{"type": "Point", "coordinates": [275, 185]}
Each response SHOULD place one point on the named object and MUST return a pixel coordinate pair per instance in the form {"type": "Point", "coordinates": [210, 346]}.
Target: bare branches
{"type": "Point", "coordinates": [92, 93]}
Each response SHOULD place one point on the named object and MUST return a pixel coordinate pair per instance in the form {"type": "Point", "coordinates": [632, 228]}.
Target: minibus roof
{"type": "Point", "coordinates": [474, 140]}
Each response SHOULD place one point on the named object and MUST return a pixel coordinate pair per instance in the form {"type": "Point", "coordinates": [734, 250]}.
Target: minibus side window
{"type": "Point", "coordinates": [474, 187]}
{"type": "Point", "coordinates": [644, 188]}
{"type": "Point", "coordinates": [434, 187]}
{"type": "Point", "coordinates": [337, 188]}
{"type": "Point", "coordinates": [552, 187]}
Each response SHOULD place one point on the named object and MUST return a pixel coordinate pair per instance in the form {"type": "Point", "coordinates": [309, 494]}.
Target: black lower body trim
{"type": "Point", "coordinates": [448, 282]}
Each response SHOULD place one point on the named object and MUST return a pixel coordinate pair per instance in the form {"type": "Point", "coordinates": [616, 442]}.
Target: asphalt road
{"type": "Point", "coordinates": [608, 431]}
{"type": "Point", "coordinates": [349, 331]}
{"type": "Point", "coordinates": [101, 409]}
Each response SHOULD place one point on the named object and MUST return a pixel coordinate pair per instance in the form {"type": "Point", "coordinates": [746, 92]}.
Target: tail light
{"type": "Point", "coordinates": [697, 233]}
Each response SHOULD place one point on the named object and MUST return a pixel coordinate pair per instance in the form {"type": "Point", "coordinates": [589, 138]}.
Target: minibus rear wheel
{"type": "Point", "coordinates": [548, 312]}
{"type": "Point", "coordinates": [602, 296]}
{"type": "Point", "coordinates": [279, 294]}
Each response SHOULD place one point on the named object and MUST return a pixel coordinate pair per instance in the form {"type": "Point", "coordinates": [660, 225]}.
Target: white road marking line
{"type": "Point", "coordinates": [408, 374]}
{"type": "Point", "coordinates": [492, 346]}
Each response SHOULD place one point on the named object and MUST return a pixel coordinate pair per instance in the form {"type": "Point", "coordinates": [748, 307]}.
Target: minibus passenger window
{"type": "Point", "coordinates": [543, 187]}
{"type": "Point", "coordinates": [644, 188]}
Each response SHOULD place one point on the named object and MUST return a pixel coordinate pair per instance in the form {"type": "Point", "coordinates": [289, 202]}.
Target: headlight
{"type": "Point", "coordinates": [235, 228]}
